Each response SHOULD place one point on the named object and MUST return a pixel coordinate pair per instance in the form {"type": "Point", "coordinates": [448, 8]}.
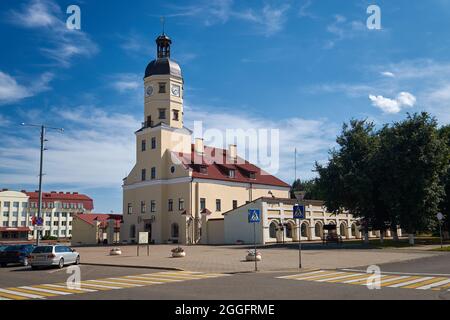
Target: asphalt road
{"type": "Point", "coordinates": [249, 286]}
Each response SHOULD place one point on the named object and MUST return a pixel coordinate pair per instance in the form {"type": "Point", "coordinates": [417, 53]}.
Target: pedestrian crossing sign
{"type": "Point", "coordinates": [254, 216]}
{"type": "Point", "coordinates": [299, 212]}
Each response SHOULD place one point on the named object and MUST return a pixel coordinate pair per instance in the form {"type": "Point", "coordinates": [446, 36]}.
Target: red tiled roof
{"type": "Point", "coordinates": [63, 197]}
{"type": "Point", "coordinates": [218, 163]}
{"type": "Point", "coordinates": [102, 218]}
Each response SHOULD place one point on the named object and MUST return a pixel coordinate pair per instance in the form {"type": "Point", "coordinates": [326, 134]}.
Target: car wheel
{"type": "Point", "coordinates": [61, 263]}
{"type": "Point", "coordinates": [34, 268]}
{"type": "Point", "coordinates": [3, 265]}
{"type": "Point", "coordinates": [77, 261]}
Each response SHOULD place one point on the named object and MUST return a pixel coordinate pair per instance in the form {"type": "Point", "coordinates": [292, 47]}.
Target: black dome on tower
{"type": "Point", "coordinates": [163, 65]}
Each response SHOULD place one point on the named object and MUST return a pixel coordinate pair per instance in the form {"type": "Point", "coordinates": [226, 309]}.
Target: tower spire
{"type": "Point", "coordinates": [163, 42]}
{"type": "Point", "coordinates": [163, 25]}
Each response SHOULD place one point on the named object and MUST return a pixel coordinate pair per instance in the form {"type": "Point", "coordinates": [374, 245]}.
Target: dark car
{"type": "Point", "coordinates": [3, 247]}
{"type": "Point", "coordinates": [16, 254]}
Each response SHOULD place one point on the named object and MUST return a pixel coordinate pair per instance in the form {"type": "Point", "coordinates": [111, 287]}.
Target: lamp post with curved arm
{"type": "Point", "coordinates": [41, 162]}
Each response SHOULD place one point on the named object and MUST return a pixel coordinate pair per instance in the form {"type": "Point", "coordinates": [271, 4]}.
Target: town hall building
{"type": "Point", "coordinates": [177, 189]}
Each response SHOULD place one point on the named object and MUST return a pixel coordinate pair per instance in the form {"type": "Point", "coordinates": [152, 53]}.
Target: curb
{"type": "Point", "coordinates": [131, 266]}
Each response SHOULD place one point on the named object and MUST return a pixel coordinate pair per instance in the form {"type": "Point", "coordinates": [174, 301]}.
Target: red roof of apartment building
{"type": "Point", "coordinates": [63, 197]}
{"type": "Point", "coordinates": [99, 217]}
{"type": "Point", "coordinates": [215, 164]}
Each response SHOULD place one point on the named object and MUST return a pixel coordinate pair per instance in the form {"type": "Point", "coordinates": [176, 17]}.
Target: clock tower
{"type": "Point", "coordinates": [163, 84]}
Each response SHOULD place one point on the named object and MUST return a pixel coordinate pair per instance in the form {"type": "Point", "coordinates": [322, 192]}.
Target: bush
{"type": "Point", "coordinates": [49, 238]}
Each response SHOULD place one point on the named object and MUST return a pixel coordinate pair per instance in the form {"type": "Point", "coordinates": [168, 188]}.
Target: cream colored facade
{"type": "Point", "coordinates": [14, 210]}
{"type": "Point", "coordinates": [275, 211]}
{"type": "Point", "coordinates": [161, 195]}
{"type": "Point", "coordinates": [94, 232]}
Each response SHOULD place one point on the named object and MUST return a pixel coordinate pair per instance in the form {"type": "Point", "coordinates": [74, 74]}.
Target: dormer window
{"type": "Point", "coordinates": [204, 170]}
{"type": "Point", "coordinates": [252, 175]}
{"type": "Point", "coordinates": [232, 174]}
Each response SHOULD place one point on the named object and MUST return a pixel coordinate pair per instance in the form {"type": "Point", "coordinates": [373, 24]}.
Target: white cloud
{"type": "Point", "coordinates": [12, 91]}
{"type": "Point", "coordinates": [97, 149]}
{"type": "Point", "coordinates": [4, 121]}
{"type": "Point", "coordinates": [343, 29]}
{"type": "Point", "coordinates": [267, 20]}
{"type": "Point", "coordinates": [388, 74]}
{"type": "Point", "coordinates": [312, 138]}
{"type": "Point", "coordinates": [392, 106]}
{"type": "Point", "coordinates": [47, 17]}
{"type": "Point", "coordinates": [126, 82]}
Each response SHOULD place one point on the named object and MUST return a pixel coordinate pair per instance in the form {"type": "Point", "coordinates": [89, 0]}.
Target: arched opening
{"type": "Point", "coordinates": [343, 230]}
{"type": "Point", "coordinates": [289, 230]}
{"type": "Point", "coordinates": [318, 230]}
{"type": "Point", "coordinates": [174, 230]}
{"type": "Point", "coordinates": [305, 230]}
{"type": "Point", "coordinates": [273, 230]}
{"type": "Point", "coordinates": [354, 230]}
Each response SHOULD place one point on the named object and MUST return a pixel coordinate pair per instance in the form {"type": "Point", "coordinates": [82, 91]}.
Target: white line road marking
{"type": "Point", "coordinates": [142, 279]}
{"type": "Point", "coordinates": [362, 279]}
{"type": "Point", "coordinates": [436, 284]}
{"type": "Point", "coordinates": [136, 280]}
{"type": "Point", "coordinates": [99, 285]}
{"type": "Point", "coordinates": [74, 288]}
{"type": "Point", "coordinates": [301, 274]}
{"type": "Point", "coordinates": [404, 273]}
{"type": "Point", "coordinates": [26, 295]}
{"type": "Point", "coordinates": [45, 290]}
{"type": "Point", "coordinates": [4, 298]}
{"type": "Point", "coordinates": [318, 276]}
{"type": "Point", "coordinates": [341, 277]}
{"type": "Point", "coordinates": [117, 283]}
{"type": "Point", "coordinates": [409, 282]}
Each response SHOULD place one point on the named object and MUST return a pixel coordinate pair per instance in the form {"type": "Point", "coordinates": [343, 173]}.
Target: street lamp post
{"type": "Point", "coordinates": [41, 163]}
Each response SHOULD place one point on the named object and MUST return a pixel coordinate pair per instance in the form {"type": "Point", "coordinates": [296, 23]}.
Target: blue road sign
{"type": "Point", "coordinates": [299, 212]}
{"type": "Point", "coordinates": [39, 221]}
{"type": "Point", "coordinates": [254, 216]}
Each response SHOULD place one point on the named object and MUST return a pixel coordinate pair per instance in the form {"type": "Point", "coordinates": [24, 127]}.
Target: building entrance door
{"type": "Point", "coordinates": [148, 228]}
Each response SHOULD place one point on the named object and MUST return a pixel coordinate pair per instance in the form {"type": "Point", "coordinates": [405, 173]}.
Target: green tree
{"type": "Point", "coordinates": [310, 187]}
{"type": "Point", "coordinates": [349, 181]}
{"type": "Point", "coordinates": [444, 134]}
{"type": "Point", "coordinates": [412, 159]}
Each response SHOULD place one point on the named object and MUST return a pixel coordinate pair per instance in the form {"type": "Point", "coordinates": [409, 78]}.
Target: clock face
{"type": "Point", "coordinates": [149, 91]}
{"type": "Point", "coordinates": [176, 91]}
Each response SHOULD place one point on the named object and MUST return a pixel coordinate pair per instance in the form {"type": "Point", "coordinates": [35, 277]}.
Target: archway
{"type": "Point", "coordinates": [318, 230]}
{"type": "Point", "coordinates": [343, 230]}
{"type": "Point", "coordinates": [305, 231]}
{"type": "Point", "coordinates": [273, 230]}
{"type": "Point", "coordinates": [354, 230]}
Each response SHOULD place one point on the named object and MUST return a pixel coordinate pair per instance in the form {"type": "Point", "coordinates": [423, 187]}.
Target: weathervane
{"type": "Point", "coordinates": [163, 25]}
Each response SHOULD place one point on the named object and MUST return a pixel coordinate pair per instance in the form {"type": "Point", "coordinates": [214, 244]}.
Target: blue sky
{"type": "Point", "coordinates": [303, 67]}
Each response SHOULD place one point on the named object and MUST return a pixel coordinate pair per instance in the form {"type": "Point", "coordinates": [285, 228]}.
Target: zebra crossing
{"type": "Point", "coordinates": [418, 282]}
{"type": "Point", "coordinates": [44, 291]}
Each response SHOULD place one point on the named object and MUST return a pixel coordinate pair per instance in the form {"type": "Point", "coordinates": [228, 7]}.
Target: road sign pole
{"type": "Point", "coordinates": [254, 240]}
{"type": "Point", "coordinates": [299, 243]}
{"type": "Point", "coordinates": [440, 232]}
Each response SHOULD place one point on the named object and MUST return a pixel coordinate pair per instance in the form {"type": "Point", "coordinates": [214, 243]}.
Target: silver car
{"type": "Point", "coordinates": [46, 256]}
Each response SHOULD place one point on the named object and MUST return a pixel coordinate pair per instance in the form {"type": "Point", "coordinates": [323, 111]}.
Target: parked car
{"type": "Point", "coordinates": [47, 256]}
{"type": "Point", "coordinates": [2, 247]}
{"type": "Point", "coordinates": [16, 254]}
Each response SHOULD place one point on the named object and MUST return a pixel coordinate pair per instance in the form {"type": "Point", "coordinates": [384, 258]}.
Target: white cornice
{"type": "Point", "coordinates": [156, 183]}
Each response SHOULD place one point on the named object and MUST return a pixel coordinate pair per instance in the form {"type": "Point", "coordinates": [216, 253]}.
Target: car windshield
{"type": "Point", "coordinates": [13, 248]}
{"type": "Point", "coordinates": [45, 249]}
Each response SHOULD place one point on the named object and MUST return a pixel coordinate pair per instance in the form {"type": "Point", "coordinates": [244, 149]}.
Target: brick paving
{"type": "Point", "coordinates": [231, 259]}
